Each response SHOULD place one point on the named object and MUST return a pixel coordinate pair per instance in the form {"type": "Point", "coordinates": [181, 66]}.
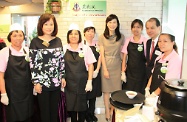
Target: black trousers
{"type": "Point", "coordinates": [1, 112]}
{"type": "Point", "coordinates": [48, 104]}
{"type": "Point", "coordinates": [81, 116]}
{"type": "Point", "coordinates": [28, 120]}
{"type": "Point", "coordinates": [91, 106]}
{"type": "Point", "coordinates": [3, 115]}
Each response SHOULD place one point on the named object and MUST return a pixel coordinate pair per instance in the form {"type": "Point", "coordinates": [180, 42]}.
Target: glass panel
{"type": "Point", "coordinates": [29, 23]}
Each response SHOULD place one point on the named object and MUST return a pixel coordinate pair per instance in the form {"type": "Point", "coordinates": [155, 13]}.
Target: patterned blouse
{"type": "Point", "coordinates": [47, 63]}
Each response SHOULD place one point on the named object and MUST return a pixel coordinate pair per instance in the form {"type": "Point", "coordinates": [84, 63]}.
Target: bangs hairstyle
{"type": "Point", "coordinates": [117, 32]}
{"type": "Point", "coordinates": [69, 32]}
{"type": "Point", "coordinates": [137, 21]}
{"type": "Point", "coordinates": [42, 20]}
{"type": "Point", "coordinates": [9, 35]}
{"type": "Point", "coordinates": [88, 28]}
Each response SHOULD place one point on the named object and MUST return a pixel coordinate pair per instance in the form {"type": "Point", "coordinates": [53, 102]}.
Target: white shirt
{"type": "Point", "coordinates": [155, 42]}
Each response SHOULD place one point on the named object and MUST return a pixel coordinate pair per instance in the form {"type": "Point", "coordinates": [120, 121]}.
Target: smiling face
{"type": "Point", "coordinates": [17, 39]}
{"type": "Point", "coordinates": [152, 30]}
{"type": "Point", "coordinates": [112, 25]}
{"type": "Point", "coordinates": [136, 29]}
{"type": "Point", "coordinates": [74, 37]}
{"type": "Point", "coordinates": [48, 27]}
{"type": "Point", "coordinates": [165, 44]}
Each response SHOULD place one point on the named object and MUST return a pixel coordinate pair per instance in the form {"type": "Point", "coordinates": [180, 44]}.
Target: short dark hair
{"type": "Point", "coordinates": [137, 21]}
{"type": "Point", "coordinates": [80, 37]}
{"type": "Point", "coordinates": [88, 28]}
{"type": "Point", "coordinates": [154, 19]}
{"type": "Point", "coordinates": [172, 38]}
{"type": "Point", "coordinates": [9, 35]}
{"type": "Point", "coordinates": [117, 30]}
{"type": "Point", "coordinates": [43, 19]}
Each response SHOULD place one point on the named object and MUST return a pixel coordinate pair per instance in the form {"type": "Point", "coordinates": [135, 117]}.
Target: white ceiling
{"type": "Point", "coordinates": [18, 2]}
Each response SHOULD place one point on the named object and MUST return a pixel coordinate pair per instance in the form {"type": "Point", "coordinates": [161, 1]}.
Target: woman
{"type": "Point", "coordinates": [134, 62]}
{"type": "Point", "coordinates": [79, 61]}
{"type": "Point", "coordinates": [15, 79]}
{"type": "Point", "coordinates": [47, 67]}
{"type": "Point", "coordinates": [89, 34]}
{"type": "Point", "coordinates": [167, 65]}
{"type": "Point", "coordinates": [110, 43]}
{"type": "Point", "coordinates": [2, 45]}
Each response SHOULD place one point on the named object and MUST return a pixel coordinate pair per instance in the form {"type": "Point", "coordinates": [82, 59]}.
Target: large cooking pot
{"type": "Point", "coordinates": [172, 102]}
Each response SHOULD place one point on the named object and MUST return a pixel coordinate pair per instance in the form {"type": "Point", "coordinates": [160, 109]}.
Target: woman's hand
{"type": "Point", "coordinates": [123, 77]}
{"type": "Point", "coordinates": [38, 88]}
{"type": "Point", "coordinates": [147, 92]}
{"type": "Point", "coordinates": [106, 74]}
{"type": "Point", "coordinates": [95, 73]}
{"type": "Point", "coordinates": [4, 99]}
{"type": "Point", "coordinates": [63, 83]}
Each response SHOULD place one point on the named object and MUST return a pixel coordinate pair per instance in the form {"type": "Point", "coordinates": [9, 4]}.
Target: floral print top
{"type": "Point", "coordinates": [47, 63]}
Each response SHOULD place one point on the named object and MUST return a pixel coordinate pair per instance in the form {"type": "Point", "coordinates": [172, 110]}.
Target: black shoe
{"type": "Point", "coordinates": [89, 118]}
{"type": "Point", "coordinates": [94, 118]}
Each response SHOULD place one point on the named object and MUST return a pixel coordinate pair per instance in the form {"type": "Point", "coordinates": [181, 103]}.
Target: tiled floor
{"type": "Point", "coordinates": [100, 116]}
{"type": "Point", "coordinates": [99, 111]}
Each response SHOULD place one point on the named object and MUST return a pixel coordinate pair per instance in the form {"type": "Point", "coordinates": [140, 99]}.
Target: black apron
{"type": "Point", "coordinates": [76, 79]}
{"type": "Point", "coordinates": [96, 82]}
{"type": "Point", "coordinates": [19, 89]}
{"type": "Point", "coordinates": [136, 68]}
{"type": "Point", "coordinates": [156, 76]}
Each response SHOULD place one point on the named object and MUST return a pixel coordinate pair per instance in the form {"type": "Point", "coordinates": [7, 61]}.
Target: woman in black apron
{"type": "Point", "coordinates": [135, 55]}
{"type": "Point", "coordinates": [16, 86]}
{"type": "Point", "coordinates": [78, 75]}
{"type": "Point", "coordinates": [89, 33]}
{"type": "Point", "coordinates": [167, 65]}
{"type": "Point", "coordinates": [2, 45]}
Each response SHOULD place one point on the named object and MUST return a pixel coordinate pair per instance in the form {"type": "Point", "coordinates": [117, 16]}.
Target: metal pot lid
{"type": "Point", "coordinates": [180, 84]}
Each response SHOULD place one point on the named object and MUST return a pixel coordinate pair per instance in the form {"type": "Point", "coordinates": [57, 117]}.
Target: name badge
{"type": "Point", "coordinates": [158, 52]}
{"type": "Point", "coordinates": [140, 47]}
{"type": "Point", "coordinates": [81, 53]}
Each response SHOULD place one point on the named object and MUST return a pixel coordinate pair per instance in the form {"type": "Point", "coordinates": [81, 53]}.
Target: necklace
{"type": "Point", "coordinates": [45, 43]}
{"type": "Point", "coordinates": [112, 36]}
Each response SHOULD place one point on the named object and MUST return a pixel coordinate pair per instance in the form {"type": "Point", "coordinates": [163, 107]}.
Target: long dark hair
{"type": "Point", "coordinates": [117, 32]}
